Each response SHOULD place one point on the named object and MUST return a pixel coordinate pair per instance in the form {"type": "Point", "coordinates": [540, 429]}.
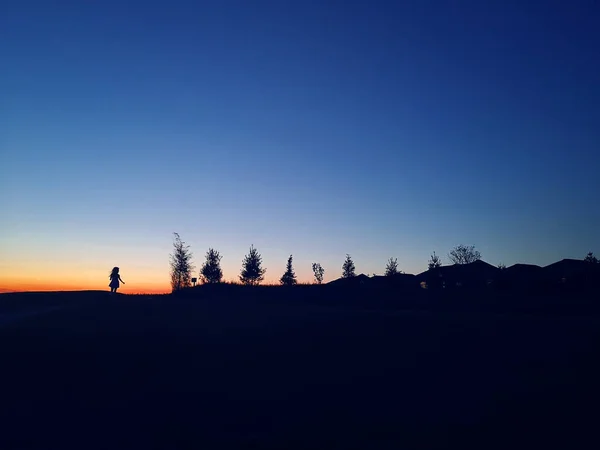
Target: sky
{"type": "Point", "coordinates": [312, 128]}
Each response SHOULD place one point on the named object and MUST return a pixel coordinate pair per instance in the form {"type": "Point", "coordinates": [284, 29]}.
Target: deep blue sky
{"type": "Point", "coordinates": [317, 128]}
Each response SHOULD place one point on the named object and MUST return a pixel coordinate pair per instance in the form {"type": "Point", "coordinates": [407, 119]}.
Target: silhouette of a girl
{"type": "Point", "coordinates": [114, 279]}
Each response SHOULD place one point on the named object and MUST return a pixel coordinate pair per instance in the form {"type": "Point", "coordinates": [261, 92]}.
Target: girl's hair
{"type": "Point", "coordinates": [115, 271]}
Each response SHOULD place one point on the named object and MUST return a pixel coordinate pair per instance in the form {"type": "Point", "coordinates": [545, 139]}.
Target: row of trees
{"type": "Point", "coordinates": [253, 272]}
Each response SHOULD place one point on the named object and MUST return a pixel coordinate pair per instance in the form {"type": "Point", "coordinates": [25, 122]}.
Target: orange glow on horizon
{"type": "Point", "coordinates": [41, 286]}
{"type": "Point", "coordinates": [20, 276]}
{"type": "Point", "coordinates": [58, 288]}
{"type": "Point", "coordinates": [33, 285]}
{"type": "Point", "coordinates": [52, 276]}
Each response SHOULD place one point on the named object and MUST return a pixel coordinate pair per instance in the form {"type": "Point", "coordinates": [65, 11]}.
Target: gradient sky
{"type": "Point", "coordinates": [312, 128]}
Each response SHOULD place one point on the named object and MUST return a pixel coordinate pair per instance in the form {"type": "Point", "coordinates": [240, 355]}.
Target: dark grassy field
{"type": "Point", "coordinates": [89, 370]}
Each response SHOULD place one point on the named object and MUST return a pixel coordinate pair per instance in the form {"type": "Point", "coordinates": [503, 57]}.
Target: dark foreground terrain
{"type": "Point", "coordinates": [87, 370]}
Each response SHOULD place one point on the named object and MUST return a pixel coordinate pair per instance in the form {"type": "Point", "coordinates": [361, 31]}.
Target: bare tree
{"type": "Point", "coordinates": [348, 268]}
{"type": "Point", "coordinates": [211, 269]}
{"type": "Point", "coordinates": [289, 277]}
{"type": "Point", "coordinates": [319, 272]}
{"type": "Point", "coordinates": [252, 271]}
{"type": "Point", "coordinates": [181, 264]}
{"type": "Point", "coordinates": [591, 258]}
{"type": "Point", "coordinates": [501, 266]}
{"type": "Point", "coordinates": [391, 267]}
{"type": "Point", "coordinates": [434, 262]}
{"type": "Point", "coordinates": [463, 254]}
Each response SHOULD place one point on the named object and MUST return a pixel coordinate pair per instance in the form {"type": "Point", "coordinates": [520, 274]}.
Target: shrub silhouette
{"type": "Point", "coordinates": [289, 277]}
{"type": "Point", "coordinates": [211, 269]}
{"type": "Point", "coordinates": [348, 268]}
{"type": "Point", "coordinates": [434, 262]}
{"type": "Point", "coordinates": [181, 264]}
{"type": "Point", "coordinates": [391, 268]}
{"type": "Point", "coordinates": [462, 254]}
{"type": "Point", "coordinates": [318, 272]}
{"type": "Point", "coordinates": [252, 271]}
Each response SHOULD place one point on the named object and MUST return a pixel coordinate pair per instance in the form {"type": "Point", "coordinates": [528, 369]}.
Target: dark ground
{"type": "Point", "coordinates": [162, 372]}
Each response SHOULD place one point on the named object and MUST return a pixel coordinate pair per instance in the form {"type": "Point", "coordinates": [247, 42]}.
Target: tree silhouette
{"type": "Point", "coordinates": [391, 268]}
{"type": "Point", "coordinates": [591, 258]}
{"type": "Point", "coordinates": [348, 268]}
{"type": "Point", "coordinates": [211, 269]}
{"type": "Point", "coordinates": [501, 266]}
{"type": "Point", "coordinates": [462, 254]}
{"type": "Point", "coordinates": [252, 271]}
{"type": "Point", "coordinates": [319, 272]}
{"type": "Point", "coordinates": [181, 264]}
{"type": "Point", "coordinates": [434, 262]}
{"type": "Point", "coordinates": [289, 277]}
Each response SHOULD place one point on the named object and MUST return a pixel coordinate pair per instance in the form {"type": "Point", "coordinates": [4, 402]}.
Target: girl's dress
{"type": "Point", "coordinates": [114, 281]}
